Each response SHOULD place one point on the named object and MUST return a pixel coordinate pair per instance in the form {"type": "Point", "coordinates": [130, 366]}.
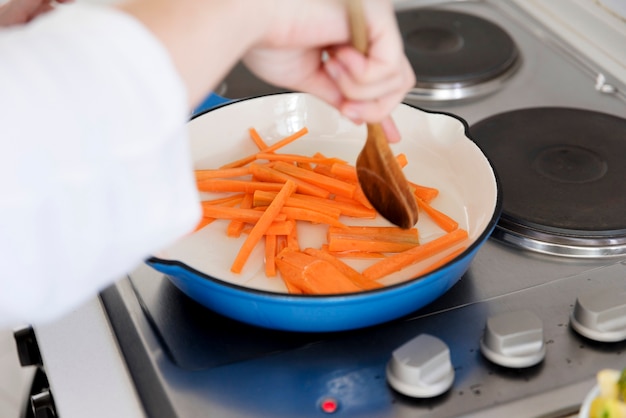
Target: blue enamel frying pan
{"type": "Point", "coordinates": [440, 155]}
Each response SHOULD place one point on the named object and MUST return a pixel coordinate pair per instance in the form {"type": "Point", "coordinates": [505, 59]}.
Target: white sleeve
{"type": "Point", "coordinates": [95, 172]}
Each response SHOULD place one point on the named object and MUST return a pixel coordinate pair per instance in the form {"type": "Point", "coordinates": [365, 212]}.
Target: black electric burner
{"type": "Point", "coordinates": [563, 177]}
{"type": "Point", "coordinates": [456, 55]}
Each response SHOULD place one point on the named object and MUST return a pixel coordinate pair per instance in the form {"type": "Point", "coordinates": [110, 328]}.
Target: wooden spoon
{"type": "Point", "coordinates": [379, 173]}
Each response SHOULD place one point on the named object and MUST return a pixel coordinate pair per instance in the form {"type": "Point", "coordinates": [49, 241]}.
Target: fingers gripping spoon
{"type": "Point", "coordinates": [379, 173]}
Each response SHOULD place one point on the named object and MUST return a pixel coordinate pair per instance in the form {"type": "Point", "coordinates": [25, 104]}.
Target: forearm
{"type": "Point", "coordinates": [204, 38]}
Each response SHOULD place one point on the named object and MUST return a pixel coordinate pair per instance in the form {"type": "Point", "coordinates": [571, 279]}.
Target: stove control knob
{"type": "Point", "coordinates": [601, 315]}
{"type": "Point", "coordinates": [421, 368]}
{"type": "Point", "coordinates": [514, 339]}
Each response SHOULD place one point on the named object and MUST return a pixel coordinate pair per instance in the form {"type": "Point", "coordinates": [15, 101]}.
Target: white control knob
{"type": "Point", "coordinates": [421, 368]}
{"type": "Point", "coordinates": [514, 339]}
{"type": "Point", "coordinates": [601, 315]}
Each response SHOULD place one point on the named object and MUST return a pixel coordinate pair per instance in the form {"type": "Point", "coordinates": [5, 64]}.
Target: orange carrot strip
{"type": "Point", "coordinates": [240, 186]}
{"type": "Point", "coordinates": [338, 243]}
{"type": "Point", "coordinates": [378, 233]}
{"type": "Point", "coordinates": [295, 158]}
{"type": "Point", "coordinates": [404, 259]}
{"type": "Point", "coordinates": [204, 221]}
{"type": "Point", "coordinates": [347, 207]}
{"type": "Point", "coordinates": [281, 228]}
{"type": "Point", "coordinates": [356, 277]}
{"type": "Point", "coordinates": [402, 160]}
{"type": "Point", "coordinates": [270, 255]}
{"type": "Point", "coordinates": [290, 275]}
{"type": "Point", "coordinates": [236, 226]}
{"type": "Point", "coordinates": [444, 221]}
{"type": "Point", "coordinates": [266, 219]}
{"type": "Point", "coordinates": [301, 214]}
{"type": "Point", "coordinates": [344, 171]}
{"type": "Point", "coordinates": [328, 183]}
{"type": "Point", "coordinates": [244, 215]}
{"type": "Point", "coordinates": [348, 172]}
{"type": "Point", "coordinates": [427, 194]}
{"type": "Point", "coordinates": [223, 200]}
{"type": "Point", "coordinates": [265, 173]}
{"type": "Point", "coordinates": [292, 242]}
{"type": "Point", "coordinates": [256, 138]}
{"type": "Point", "coordinates": [360, 197]}
{"type": "Point", "coordinates": [221, 173]}
{"type": "Point", "coordinates": [442, 261]}
{"type": "Point", "coordinates": [262, 198]}
{"type": "Point", "coordinates": [356, 254]}
{"type": "Point", "coordinates": [316, 276]}
{"type": "Point", "coordinates": [287, 140]}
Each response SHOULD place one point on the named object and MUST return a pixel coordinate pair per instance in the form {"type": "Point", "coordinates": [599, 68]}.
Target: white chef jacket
{"type": "Point", "coordinates": [95, 171]}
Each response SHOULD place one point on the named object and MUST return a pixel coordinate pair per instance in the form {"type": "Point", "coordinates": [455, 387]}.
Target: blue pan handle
{"type": "Point", "coordinates": [211, 101]}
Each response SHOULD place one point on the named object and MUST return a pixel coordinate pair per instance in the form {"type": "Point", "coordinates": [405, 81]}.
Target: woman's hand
{"type": "Point", "coordinates": [16, 12]}
{"type": "Point", "coordinates": [308, 48]}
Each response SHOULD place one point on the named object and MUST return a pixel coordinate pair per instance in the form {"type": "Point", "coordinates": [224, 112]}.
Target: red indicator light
{"type": "Point", "coordinates": [329, 405]}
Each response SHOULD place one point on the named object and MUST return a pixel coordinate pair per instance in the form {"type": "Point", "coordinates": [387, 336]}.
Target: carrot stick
{"type": "Point", "coordinates": [221, 173]}
{"type": "Point", "coordinates": [338, 243]}
{"type": "Point", "coordinates": [244, 215]}
{"type": "Point", "coordinates": [238, 186]}
{"type": "Point", "coordinates": [328, 183]}
{"type": "Point", "coordinates": [265, 173]}
{"type": "Point", "coordinates": [442, 261]}
{"type": "Point", "coordinates": [287, 140]}
{"type": "Point", "coordinates": [295, 158]}
{"type": "Point", "coordinates": [223, 200]}
{"type": "Point", "coordinates": [427, 194]}
{"type": "Point", "coordinates": [290, 275]}
{"type": "Point", "coordinates": [444, 221]}
{"type": "Point", "coordinates": [281, 228]}
{"type": "Point", "coordinates": [356, 277]}
{"type": "Point", "coordinates": [404, 259]}
{"type": "Point", "coordinates": [262, 198]}
{"type": "Point", "coordinates": [254, 135]}
{"type": "Point", "coordinates": [235, 226]}
{"type": "Point", "coordinates": [301, 214]}
{"type": "Point", "coordinates": [348, 207]}
{"type": "Point", "coordinates": [316, 276]}
{"type": "Point", "coordinates": [378, 233]}
{"type": "Point", "coordinates": [292, 242]}
{"type": "Point", "coordinates": [266, 219]}
{"type": "Point", "coordinates": [270, 255]}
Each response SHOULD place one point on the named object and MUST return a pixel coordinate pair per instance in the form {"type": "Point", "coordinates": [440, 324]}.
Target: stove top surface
{"type": "Point", "coordinates": [187, 360]}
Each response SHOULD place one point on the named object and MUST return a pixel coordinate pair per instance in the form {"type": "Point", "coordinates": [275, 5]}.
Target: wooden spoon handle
{"type": "Point", "coordinates": [358, 26]}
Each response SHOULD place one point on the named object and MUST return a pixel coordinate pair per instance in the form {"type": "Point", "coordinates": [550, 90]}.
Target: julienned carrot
{"type": "Point", "coordinates": [296, 158]}
{"type": "Point", "coordinates": [427, 194]}
{"type": "Point", "coordinates": [262, 198]}
{"type": "Point", "coordinates": [338, 243]}
{"type": "Point", "coordinates": [301, 214]}
{"type": "Point", "coordinates": [244, 215]}
{"type": "Point", "coordinates": [379, 233]}
{"type": "Point", "coordinates": [256, 138]}
{"type": "Point", "coordinates": [397, 262]}
{"type": "Point", "coordinates": [353, 254]}
{"type": "Point", "coordinates": [287, 140]}
{"type": "Point", "coordinates": [270, 255]}
{"type": "Point", "coordinates": [442, 261]}
{"type": "Point", "coordinates": [292, 242]}
{"type": "Point", "coordinates": [221, 173]}
{"type": "Point", "coordinates": [356, 277]}
{"type": "Point", "coordinates": [235, 226]}
{"type": "Point", "coordinates": [334, 186]}
{"type": "Point", "coordinates": [444, 221]}
{"type": "Point", "coordinates": [237, 186]}
{"type": "Point", "coordinates": [265, 173]}
{"type": "Point", "coordinates": [349, 208]}
{"type": "Point", "coordinates": [224, 202]}
{"type": "Point", "coordinates": [348, 172]}
{"type": "Point", "coordinates": [311, 274]}
{"type": "Point", "coordinates": [261, 226]}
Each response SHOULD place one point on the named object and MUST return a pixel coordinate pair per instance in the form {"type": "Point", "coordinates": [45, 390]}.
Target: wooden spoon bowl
{"type": "Point", "coordinates": [378, 171]}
